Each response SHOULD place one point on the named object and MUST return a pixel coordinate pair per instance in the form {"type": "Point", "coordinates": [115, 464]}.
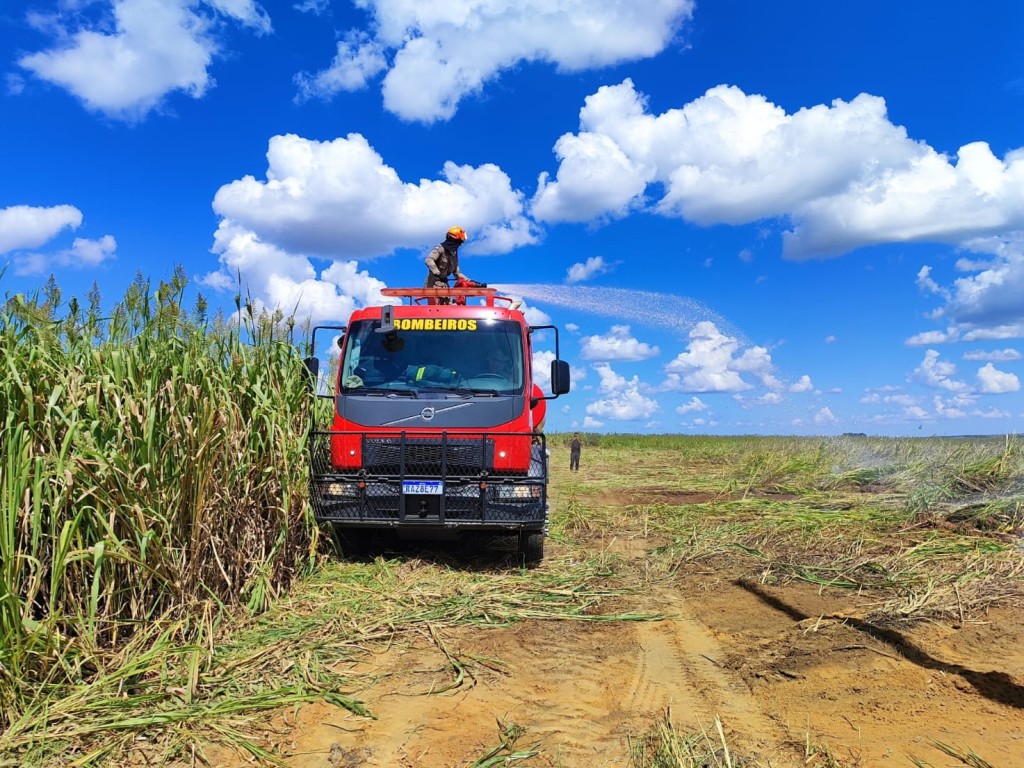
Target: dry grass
{"type": "Point", "coordinates": [924, 528]}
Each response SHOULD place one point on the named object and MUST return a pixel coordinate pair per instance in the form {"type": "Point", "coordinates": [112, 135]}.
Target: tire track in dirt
{"type": "Point", "coordinates": [582, 689]}
{"type": "Point", "coordinates": [680, 666]}
{"type": "Point", "coordinates": [850, 690]}
{"type": "Point", "coordinates": [683, 649]}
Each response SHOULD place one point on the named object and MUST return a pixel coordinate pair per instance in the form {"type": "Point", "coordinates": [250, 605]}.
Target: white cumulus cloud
{"type": "Point", "coordinates": [874, 398]}
{"type": "Point", "coordinates": [535, 315]}
{"type": "Point", "coordinates": [842, 175]}
{"type": "Point", "coordinates": [315, 7]}
{"type": "Point", "coordinates": [541, 367]}
{"type": "Point", "coordinates": [358, 60]}
{"type": "Point", "coordinates": [803, 384]}
{"type": "Point", "coordinates": [695, 404]}
{"type": "Point", "coordinates": [83, 254]}
{"type": "Point", "coordinates": [26, 226]}
{"type": "Point", "coordinates": [277, 279]}
{"type": "Point", "coordinates": [996, 332]}
{"type": "Point", "coordinates": [623, 400]}
{"type": "Point", "coordinates": [985, 303]}
{"type": "Point", "coordinates": [441, 53]}
{"type": "Point", "coordinates": [125, 64]}
{"type": "Point", "coordinates": [596, 179]}
{"type": "Point", "coordinates": [339, 199]}
{"type": "Point", "coordinates": [927, 338]}
{"type": "Point", "coordinates": [581, 271]}
{"type": "Point", "coordinates": [994, 355]}
{"type": "Point", "coordinates": [768, 398]}
{"type": "Point", "coordinates": [825, 416]}
{"type": "Point", "coordinates": [936, 373]}
{"type": "Point", "coordinates": [713, 362]}
{"type": "Point", "coordinates": [992, 381]}
{"type": "Point", "coordinates": [618, 344]}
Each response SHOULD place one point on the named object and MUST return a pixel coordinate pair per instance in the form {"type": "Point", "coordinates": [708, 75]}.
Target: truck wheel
{"type": "Point", "coordinates": [352, 543]}
{"type": "Point", "coordinates": [531, 548]}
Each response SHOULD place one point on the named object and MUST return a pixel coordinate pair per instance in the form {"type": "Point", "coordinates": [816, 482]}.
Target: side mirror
{"type": "Point", "coordinates": [559, 377]}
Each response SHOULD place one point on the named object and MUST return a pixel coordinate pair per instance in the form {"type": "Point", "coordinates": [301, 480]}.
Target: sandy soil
{"type": "Point", "coordinates": [795, 675]}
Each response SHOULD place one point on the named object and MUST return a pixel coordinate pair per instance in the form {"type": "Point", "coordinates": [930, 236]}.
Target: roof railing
{"type": "Point", "coordinates": [432, 295]}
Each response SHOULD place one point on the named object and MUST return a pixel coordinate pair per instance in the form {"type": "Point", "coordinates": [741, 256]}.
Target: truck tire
{"type": "Point", "coordinates": [531, 548]}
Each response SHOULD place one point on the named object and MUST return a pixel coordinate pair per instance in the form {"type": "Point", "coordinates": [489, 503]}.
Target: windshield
{"type": "Point", "coordinates": [474, 356]}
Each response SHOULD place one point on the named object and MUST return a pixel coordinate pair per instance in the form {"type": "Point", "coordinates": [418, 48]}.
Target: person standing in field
{"type": "Point", "coordinates": [575, 448]}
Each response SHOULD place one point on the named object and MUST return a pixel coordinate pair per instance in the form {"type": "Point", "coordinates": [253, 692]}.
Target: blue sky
{"type": "Point", "coordinates": [746, 217]}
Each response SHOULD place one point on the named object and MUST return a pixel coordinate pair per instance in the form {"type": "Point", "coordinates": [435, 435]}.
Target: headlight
{"type": "Point", "coordinates": [517, 492]}
{"type": "Point", "coordinates": [340, 490]}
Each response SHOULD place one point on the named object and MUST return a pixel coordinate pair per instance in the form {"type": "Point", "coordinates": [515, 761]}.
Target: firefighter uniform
{"type": "Point", "coordinates": [443, 259]}
{"type": "Point", "coordinates": [442, 262]}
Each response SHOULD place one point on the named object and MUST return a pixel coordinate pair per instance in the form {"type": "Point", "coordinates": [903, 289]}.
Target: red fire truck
{"type": "Point", "coordinates": [437, 422]}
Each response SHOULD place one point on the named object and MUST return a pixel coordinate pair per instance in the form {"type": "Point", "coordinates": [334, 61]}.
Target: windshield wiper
{"type": "Point", "coordinates": [385, 391]}
{"type": "Point", "coordinates": [474, 391]}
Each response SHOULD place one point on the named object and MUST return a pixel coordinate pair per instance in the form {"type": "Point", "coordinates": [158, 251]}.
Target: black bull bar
{"type": "Point", "coordinates": [437, 480]}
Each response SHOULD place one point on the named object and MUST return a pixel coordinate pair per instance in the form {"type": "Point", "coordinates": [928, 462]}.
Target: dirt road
{"type": "Point", "coordinates": [791, 682]}
{"type": "Point", "coordinates": [756, 674]}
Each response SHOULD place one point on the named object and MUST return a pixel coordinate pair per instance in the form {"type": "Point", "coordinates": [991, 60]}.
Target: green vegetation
{"type": "Point", "coordinates": [152, 475]}
{"type": "Point", "coordinates": [665, 746]}
{"type": "Point", "coordinates": [506, 754]}
{"type": "Point", "coordinates": [965, 757]}
{"type": "Point", "coordinates": [930, 527]}
{"type": "Point", "coordinates": [159, 580]}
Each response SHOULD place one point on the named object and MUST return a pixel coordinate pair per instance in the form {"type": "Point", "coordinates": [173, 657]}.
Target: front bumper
{"type": "Point", "coordinates": [467, 495]}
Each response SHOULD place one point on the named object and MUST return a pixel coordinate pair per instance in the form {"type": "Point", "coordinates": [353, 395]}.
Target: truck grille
{"type": "Point", "coordinates": [427, 456]}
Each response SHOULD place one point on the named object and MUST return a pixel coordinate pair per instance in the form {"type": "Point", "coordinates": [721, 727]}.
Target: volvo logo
{"type": "Point", "coordinates": [427, 413]}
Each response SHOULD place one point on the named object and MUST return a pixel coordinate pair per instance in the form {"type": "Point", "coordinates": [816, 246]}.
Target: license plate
{"type": "Point", "coordinates": [423, 487]}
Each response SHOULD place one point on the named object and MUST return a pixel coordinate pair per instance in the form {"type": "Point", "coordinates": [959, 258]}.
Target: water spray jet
{"type": "Point", "coordinates": [661, 310]}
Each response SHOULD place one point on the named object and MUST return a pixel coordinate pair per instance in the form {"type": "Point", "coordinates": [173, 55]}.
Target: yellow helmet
{"type": "Point", "coordinates": [457, 233]}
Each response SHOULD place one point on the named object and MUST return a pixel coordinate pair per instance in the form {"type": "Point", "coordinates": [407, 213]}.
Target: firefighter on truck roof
{"type": "Point", "coordinates": [443, 259]}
